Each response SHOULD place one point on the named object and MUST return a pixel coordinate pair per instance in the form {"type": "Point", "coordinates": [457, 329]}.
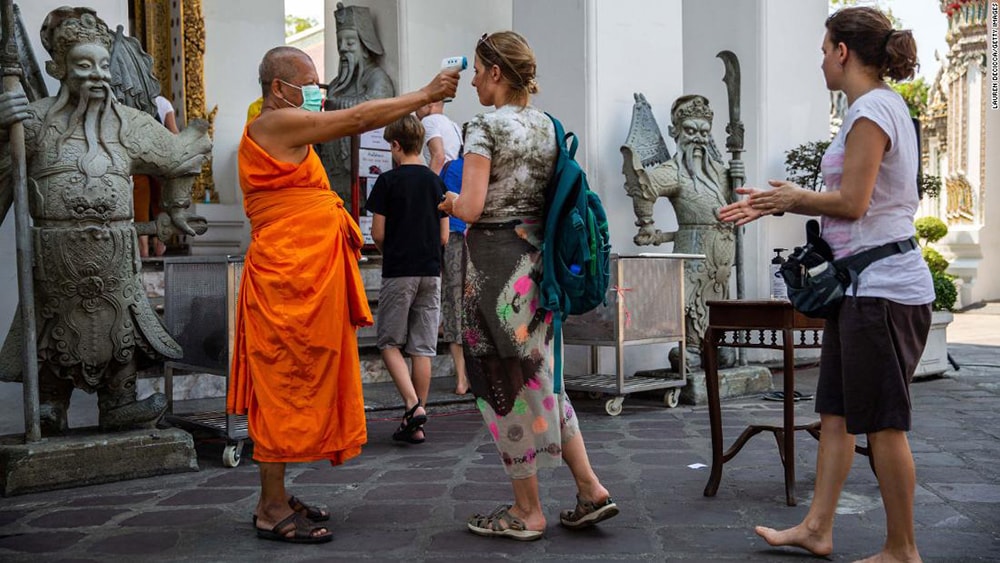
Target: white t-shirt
{"type": "Point", "coordinates": [903, 278]}
{"type": "Point", "coordinates": [163, 107]}
{"type": "Point", "coordinates": [438, 125]}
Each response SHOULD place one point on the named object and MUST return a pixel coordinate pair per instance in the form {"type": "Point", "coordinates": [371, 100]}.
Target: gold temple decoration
{"type": "Point", "coordinates": [181, 70]}
{"type": "Point", "coordinates": [961, 203]}
{"type": "Point", "coordinates": [194, 88]}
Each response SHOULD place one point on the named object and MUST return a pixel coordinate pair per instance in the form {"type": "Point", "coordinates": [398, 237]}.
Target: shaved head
{"type": "Point", "coordinates": [283, 63]}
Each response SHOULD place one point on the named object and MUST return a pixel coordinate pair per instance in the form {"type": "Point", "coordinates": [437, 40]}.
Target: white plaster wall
{"type": "Point", "coordinates": [784, 98]}
{"type": "Point", "coordinates": [988, 285]}
{"type": "Point", "coordinates": [592, 57]}
{"type": "Point", "coordinates": [793, 108]}
{"type": "Point", "coordinates": [974, 85]}
{"type": "Point", "coordinates": [235, 42]}
{"type": "Point", "coordinates": [426, 38]}
{"type": "Point", "coordinates": [638, 46]}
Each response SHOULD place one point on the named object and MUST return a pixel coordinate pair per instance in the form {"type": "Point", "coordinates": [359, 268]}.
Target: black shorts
{"type": "Point", "coordinates": [870, 352]}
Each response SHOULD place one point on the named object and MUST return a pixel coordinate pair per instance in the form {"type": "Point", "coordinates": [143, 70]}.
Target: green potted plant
{"type": "Point", "coordinates": [803, 164]}
{"type": "Point", "coordinates": [934, 360]}
{"type": "Point", "coordinates": [929, 231]}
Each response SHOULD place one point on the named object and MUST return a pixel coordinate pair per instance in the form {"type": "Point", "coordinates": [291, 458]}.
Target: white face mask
{"type": "Point", "coordinates": [312, 97]}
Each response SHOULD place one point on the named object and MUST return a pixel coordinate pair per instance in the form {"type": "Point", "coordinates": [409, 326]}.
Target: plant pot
{"type": "Point", "coordinates": [934, 360]}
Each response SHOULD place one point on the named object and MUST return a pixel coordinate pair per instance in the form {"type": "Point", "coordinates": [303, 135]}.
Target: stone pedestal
{"type": "Point", "coordinates": [87, 457]}
{"type": "Point", "coordinates": [733, 382]}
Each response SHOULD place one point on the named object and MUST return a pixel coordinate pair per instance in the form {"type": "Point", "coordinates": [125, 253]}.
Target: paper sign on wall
{"type": "Point", "coordinates": [372, 163]}
{"type": "Point", "coordinates": [366, 229]}
{"type": "Point", "coordinates": [374, 140]}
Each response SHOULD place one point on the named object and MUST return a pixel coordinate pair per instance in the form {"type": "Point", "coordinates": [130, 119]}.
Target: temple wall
{"type": "Point", "coordinates": [592, 57]}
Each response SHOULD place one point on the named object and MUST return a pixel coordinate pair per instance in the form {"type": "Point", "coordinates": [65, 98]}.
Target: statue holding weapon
{"type": "Point", "coordinates": [12, 88]}
{"type": "Point", "coordinates": [734, 144]}
{"type": "Point", "coordinates": [697, 183]}
{"type": "Point", "coordinates": [94, 324]}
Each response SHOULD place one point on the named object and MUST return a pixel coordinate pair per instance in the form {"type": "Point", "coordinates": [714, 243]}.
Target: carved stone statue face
{"type": "Point", "coordinates": [352, 53]}
{"type": "Point", "coordinates": [694, 131]}
{"type": "Point", "coordinates": [88, 75]}
{"type": "Point", "coordinates": [349, 44]}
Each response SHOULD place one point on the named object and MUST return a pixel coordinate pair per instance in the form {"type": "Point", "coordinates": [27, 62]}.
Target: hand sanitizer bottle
{"type": "Point", "coordinates": [778, 288]}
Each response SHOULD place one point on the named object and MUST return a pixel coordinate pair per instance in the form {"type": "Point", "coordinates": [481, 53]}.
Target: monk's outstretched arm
{"type": "Point", "coordinates": [292, 128]}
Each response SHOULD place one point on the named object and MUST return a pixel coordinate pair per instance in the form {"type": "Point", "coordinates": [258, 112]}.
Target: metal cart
{"type": "Point", "coordinates": [199, 310]}
{"type": "Point", "coordinates": [645, 306]}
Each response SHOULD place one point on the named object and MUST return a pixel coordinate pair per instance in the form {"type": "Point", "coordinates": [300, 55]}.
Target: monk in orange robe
{"type": "Point", "coordinates": [295, 371]}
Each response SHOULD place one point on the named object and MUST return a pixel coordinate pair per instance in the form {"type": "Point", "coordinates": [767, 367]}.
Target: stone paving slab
{"type": "Point", "coordinates": [409, 502]}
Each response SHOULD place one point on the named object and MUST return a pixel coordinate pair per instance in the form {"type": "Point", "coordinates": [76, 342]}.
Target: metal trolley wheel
{"type": "Point", "coordinates": [232, 454]}
{"type": "Point", "coordinates": [672, 398]}
{"type": "Point", "coordinates": [614, 406]}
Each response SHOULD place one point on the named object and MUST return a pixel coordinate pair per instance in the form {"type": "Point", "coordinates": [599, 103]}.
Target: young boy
{"type": "Point", "coordinates": [409, 231]}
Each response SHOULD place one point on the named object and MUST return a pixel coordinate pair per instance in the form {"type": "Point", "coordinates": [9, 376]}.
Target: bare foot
{"type": "Point", "coordinates": [885, 556]}
{"type": "Point", "coordinates": [461, 386]}
{"type": "Point", "coordinates": [800, 536]}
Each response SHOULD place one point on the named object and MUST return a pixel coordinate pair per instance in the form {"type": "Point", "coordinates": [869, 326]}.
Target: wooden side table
{"type": "Point", "coordinates": [757, 324]}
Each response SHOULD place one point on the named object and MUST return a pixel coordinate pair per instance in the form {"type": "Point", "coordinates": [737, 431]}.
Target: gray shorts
{"type": "Point", "coordinates": [408, 314]}
{"type": "Point", "coordinates": [870, 352]}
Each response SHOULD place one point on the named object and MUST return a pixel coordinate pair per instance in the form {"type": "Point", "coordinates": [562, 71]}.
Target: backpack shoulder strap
{"type": "Point", "coordinates": [564, 140]}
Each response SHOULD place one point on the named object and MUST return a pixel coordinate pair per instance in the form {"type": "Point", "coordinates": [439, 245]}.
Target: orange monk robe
{"type": "Point", "coordinates": [296, 373]}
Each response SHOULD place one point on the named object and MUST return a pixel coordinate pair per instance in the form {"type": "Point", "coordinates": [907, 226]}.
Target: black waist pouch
{"type": "Point", "coordinates": [817, 283]}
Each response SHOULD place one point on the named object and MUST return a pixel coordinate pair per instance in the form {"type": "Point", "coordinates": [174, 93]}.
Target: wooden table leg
{"type": "Point", "coordinates": [711, 364]}
{"type": "Point", "coordinates": [788, 345]}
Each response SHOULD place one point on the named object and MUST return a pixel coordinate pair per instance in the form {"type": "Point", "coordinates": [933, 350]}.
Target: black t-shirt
{"type": "Point", "coordinates": [408, 197]}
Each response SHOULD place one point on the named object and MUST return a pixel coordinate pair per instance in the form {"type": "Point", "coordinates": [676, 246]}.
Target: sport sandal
{"type": "Point", "coordinates": [587, 513]}
{"type": "Point", "coordinates": [501, 523]}
{"type": "Point", "coordinates": [412, 422]}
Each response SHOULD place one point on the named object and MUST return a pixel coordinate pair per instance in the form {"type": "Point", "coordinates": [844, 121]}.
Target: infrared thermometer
{"type": "Point", "coordinates": [459, 63]}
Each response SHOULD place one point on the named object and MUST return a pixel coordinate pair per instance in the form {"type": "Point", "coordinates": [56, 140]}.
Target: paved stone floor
{"type": "Point", "coordinates": [400, 502]}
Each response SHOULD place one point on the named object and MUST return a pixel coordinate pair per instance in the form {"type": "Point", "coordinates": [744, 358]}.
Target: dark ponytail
{"type": "Point", "coordinates": [901, 55]}
{"type": "Point", "coordinates": [869, 34]}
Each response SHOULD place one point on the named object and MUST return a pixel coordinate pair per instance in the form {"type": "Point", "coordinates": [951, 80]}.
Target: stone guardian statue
{"type": "Point", "coordinates": [697, 183]}
{"type": "Point", "coordinates": [359, 79]}
{"type": "Point", "coordinates": [94, 324]}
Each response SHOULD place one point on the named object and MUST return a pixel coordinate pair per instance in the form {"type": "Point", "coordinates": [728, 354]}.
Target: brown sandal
{"type": "Point", "coordinates": [302, 527]}
{"type": "Point", "coordinates": [311, 512]}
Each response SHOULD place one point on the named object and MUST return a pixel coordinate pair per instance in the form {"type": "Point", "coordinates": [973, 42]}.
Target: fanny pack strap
{"type": "Point", "coordinates": [856, 263]}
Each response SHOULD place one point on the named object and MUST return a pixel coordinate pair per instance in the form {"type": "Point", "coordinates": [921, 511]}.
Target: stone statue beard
{"type": "Point", "coordinates": [698, 166]}
{"type": "Point", "coordinates": [345, 74]}
{"type": "Point", "coordinates": [97, 117]}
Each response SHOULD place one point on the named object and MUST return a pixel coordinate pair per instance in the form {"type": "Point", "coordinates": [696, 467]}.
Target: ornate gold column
{"type": "Point", "coordinates": [194, 88]}
{"type": "Point", "coordinates": [181, 70]}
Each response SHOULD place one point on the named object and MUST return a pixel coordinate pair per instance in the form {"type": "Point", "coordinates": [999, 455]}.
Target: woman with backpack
{"type": "Point", "coordinates": [509, 156]}
{"type": "Point", "coordinates": [871, 348]}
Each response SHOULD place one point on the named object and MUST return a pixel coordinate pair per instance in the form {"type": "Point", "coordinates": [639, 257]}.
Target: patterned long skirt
{"type": "Point", "coordinates": [507, 345]}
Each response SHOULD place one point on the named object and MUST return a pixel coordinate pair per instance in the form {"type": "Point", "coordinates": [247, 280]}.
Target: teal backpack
{"type": "Point", "coordinates": [576, 248]}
